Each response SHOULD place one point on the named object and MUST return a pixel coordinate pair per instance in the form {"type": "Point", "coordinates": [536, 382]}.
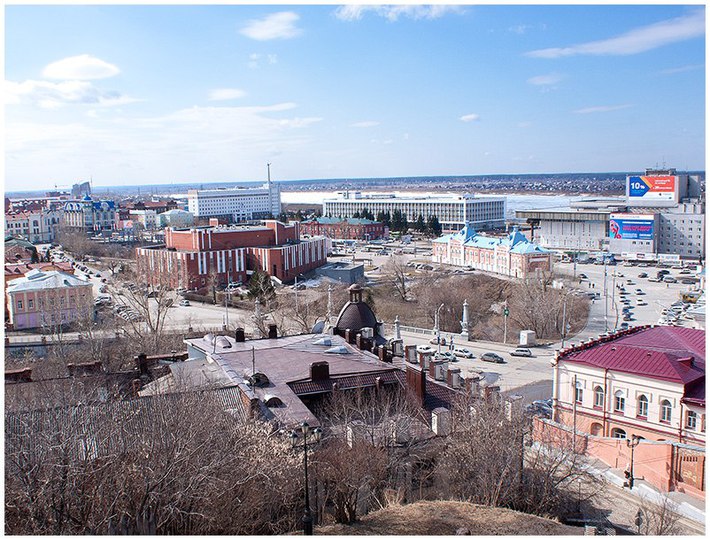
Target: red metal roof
{"type": "Point", "coordinates": [663, 352]}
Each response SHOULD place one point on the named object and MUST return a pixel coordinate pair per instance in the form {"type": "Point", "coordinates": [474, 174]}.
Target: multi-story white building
{"type": "Point", "coordinates": [681, 230]}
{"type": "Point", "coordinates": [236, 204]}
{"type": "Point", "coordinates": [37, 225]}
{"type": "Point", "coordinates": [89, 216]}
{"type": "Point", "coordinates": [453, 211]}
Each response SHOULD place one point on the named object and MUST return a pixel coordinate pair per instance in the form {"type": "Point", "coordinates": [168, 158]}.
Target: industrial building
{"type": "Point", "coordinates": [452, 211]}
{"type": "Point", "coordinates": [662, 215]}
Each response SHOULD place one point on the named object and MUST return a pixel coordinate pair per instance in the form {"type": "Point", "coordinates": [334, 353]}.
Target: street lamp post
{"type": "Point", "coordinates": [438, 331]}
{"type": "Point", "coordinates": [315, 435]}
{"type": "Point", "coordinates": [633, 443]}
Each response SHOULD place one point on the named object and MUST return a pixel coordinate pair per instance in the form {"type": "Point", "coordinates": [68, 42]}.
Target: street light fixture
{"type": "Point", "coordinates": [632, 443]}
{"type": "Point", "coordinates": [315, 436]}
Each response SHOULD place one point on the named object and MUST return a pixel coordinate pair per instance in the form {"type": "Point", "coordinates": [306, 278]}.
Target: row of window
{"type": "Point", "coordinates": [691, 417]}
{"type": "Point", "coordinates": [31, 303]}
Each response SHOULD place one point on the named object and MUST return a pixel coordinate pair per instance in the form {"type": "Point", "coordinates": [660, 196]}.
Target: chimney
{"type": "Point", "coordinates": [320, 371]}
{"type": "Point", "coordinates": [239, 335]}
{"type": "Point", "coordinates": [410, 354]}
{"type": "Point", "coordinates": [272, 331]}
{"type": "Point", "coordinates": [378, 383]}
{"type": "Point", "coordinates": [76, 370]}
{"type": "Point", "coordinates": [359, 341]}
{"type": "Point", "coordinates": [416, 382]}
{"type": "Point", "coordinates": [453, 377]}
{"type": "Point", "coordinates": [440, 421]}
{"type": "Point", "coordinates": [491, 392]}
{"type": "Point", "coordinates": [348, 335]}
{"type": "Point", "coordinates": [18, 375]}
{"type": "Point", "coordinates": [381, 353]}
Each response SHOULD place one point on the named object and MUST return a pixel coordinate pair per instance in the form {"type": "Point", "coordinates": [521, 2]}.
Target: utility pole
{"type": "Point", "coordinates": [564, 321]}
{"type": "Point", "coordinates": [506, 312]}
{"type": "Point", "coordinates": [574, 416]}
{"type": "Point", "coordinates": [606, 300]}
{"type": "Point", "coordinates": [295, 286]}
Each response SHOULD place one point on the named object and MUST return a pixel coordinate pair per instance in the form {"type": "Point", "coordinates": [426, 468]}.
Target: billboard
{"type": "Point", "coordinates": [650, 189]}
{"type": "Point", "coordinates": [631, 226]}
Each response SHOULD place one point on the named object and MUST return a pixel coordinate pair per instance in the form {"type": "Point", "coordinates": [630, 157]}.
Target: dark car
{"type": "Point", "coordinates": [643, 275]}
{"type": "Point", "coordinates": [492, 357]}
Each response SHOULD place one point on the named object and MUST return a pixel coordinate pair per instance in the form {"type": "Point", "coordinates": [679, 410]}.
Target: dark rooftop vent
{"type": "Point", "coordinates": [272, 401]}
{"type": "Point", "coordinates": [239, 335]}
{"type": "Point", "coordinates": [259, 379]}
{"type": "Point", "coordinates": [320, 371]}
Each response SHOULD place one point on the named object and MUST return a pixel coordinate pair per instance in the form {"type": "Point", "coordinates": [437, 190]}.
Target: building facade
{"type": "Point", "coordinates": [176, 218]}
{"type": "Point", "coordinates": [48, 299]}
{"type": "Point", "coordinates": [662, 213]}
{"type": "Point", "coordinates": [236, 205]}
{"type": "Point", "coordinates": [645, 381]}
{"type": "Point", "coordinates": [344, 229]}
{"type": "Point", "coordinates": [513, 255]}
{"type": "Point", "coordinates": [452, 211]}
{"type": "Point", "coordinates": [33, 222]}
{"type": "Point", "coordinates": [90, 216]}
{"type": "Point", "coordinates": [194, 258]}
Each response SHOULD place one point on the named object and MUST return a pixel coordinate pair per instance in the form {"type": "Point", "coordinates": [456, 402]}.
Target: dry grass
{"type": "Point", "coordinates": [445, 518]}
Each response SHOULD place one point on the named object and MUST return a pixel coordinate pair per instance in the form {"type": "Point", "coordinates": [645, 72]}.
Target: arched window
{"type": "Point", "coordinates": [596, 429]}
{"type": "Point", "coordinates": [666, 411]}
{"type": "Point", "coordinates": [618, 433]}
{"type": "Point", "coordinates": [599, 397]}
{"type": "Point", "coordinates": [619, 401]}
{"type": "Point", "coordinates": [642, 409]}
{"type": "Point", "coordinates": [578, 392]}
{"type": "Point", "coordinates": [691, 421]}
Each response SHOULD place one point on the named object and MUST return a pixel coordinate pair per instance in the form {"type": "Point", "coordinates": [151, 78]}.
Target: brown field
{"type": "Point", "coordinates": [442, 518]}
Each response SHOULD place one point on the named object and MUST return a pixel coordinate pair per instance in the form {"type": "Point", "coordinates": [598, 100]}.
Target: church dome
{"type": "Point", "coordinates": [356, 314]}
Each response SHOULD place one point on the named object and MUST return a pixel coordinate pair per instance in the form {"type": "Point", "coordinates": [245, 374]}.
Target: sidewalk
{"type": "Point", "coordinates": [689, 507]}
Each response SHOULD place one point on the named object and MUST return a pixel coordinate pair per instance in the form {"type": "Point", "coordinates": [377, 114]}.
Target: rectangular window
{"type": "Point", "coordinates": [19, 304]}
{"type": "Point", "coordinates": [691, 421]}
{"type": "Point", "coordinates": [619, 403]}
{"type": "Point", "coordinates": [30, 304]}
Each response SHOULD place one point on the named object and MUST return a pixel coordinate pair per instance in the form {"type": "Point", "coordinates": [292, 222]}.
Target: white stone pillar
{"type": "Point", "coordinates": [464, 320]}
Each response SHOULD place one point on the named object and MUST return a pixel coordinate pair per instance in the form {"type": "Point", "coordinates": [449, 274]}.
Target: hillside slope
{"type": "Point", "coordinates": [445, 518]}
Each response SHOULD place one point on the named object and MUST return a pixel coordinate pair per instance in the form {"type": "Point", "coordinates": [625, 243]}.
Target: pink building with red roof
{"type": "Point", "coordinates": [647, 382]}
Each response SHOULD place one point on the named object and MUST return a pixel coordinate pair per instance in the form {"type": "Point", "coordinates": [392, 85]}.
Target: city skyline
{"type": "Point", "coordinates": [170, 94]}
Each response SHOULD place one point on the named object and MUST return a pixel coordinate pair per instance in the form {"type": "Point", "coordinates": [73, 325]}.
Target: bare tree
{"type": "Point", "coordinates": [174, 464]}
{"type": "Point", "coordinates": [659, 519]}
{"type": "Point", "coordinates": [394, 273]}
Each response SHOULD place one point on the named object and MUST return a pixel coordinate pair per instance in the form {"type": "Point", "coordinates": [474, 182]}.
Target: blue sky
{"type": "Point", "coordinates": [162, 94]}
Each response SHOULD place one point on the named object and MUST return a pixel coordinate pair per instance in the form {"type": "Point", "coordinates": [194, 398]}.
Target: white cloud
{"type": "Point", "coordinates": [470, 118]}
{"type": "Point", "coordinates": [601, 109]}
{"type": "Point", "coordinates": [393, 13]}
{"type": "Point", "coordinates": [224, 94]}
{"type": "Point", "coordinates": [83, 67]}
{"type": "Point", "coordinates": [519, 29]}
{"type": "Point", "coordinates": [681, 69]}
{"type": "Point", "coordinates": [49, 95]}
{"type": "Point", "coordinates": [545, 80]}
{"type": "Point", "coordinates": [256, 59]}
{"type": "Point", "coordinates": [281, 25]}
{"type": "Point", "coordinates": [365, 124]}
{"type": "Point", "coordinates": [192, 143]}
{"type": "Point", "coordinates": [635, 41]}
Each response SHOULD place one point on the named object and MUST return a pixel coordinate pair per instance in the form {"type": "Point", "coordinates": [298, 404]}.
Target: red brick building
{"type": "Point", "coordinates": [191, 257]}
{"type": "Point", "coordinates": [344, 229]}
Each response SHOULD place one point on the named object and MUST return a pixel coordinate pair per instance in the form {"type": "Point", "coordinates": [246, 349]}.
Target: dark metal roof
{"type": "Point", "coordinates": [361, 380]}
{"type": "Point", "coordinates": [356, 316]}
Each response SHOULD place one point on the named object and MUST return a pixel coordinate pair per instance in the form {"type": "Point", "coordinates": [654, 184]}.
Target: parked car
{"type": "Point", "coordinates": [424, 349]}
{"type": "Point", "coordinates": [685, 271]}
{"type": "Point", "coordinates": [492, 357]}
{"type": "Point", "coordinates": [583, 276]}
{"type": "Point", "coordinates": [688, 281]}
{"type": "Point", "coordinates": [639, 292]}
{"type": "Point", "coordinates": [669, 279]}
{"type": "Point", "coordinates": [438, 339]}
{"type": "Point", "coordinates": [521, 351]}
{"type": "Point", "coordinates": [463, 352]}
{"type": "Point", "coordinates": [447, 355]}
{"type": "Point", "coordinates": [641, 303]}
{"type": "Point", "coordinates": [624, 325]}
{"type": "Point", "coordinates": [654, 279]}
{"type": "Point", "coordinates": [184, 303]}
{"type": "Point", "coordinates": [643, 275]}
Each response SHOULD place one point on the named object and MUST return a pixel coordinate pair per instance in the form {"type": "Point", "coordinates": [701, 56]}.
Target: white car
{"type": "Point", "coordinates": [463, 352]}
{"type": "Point", "coordinates": [521, 351]}
{"type": "Point", "coordinates": [184, 303]}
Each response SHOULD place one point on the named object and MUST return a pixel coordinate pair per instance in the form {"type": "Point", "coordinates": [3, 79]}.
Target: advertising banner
{"type": "Point", "coordinates": [652, 188]}
{"type": "Point", "coordinates": [629, 227]}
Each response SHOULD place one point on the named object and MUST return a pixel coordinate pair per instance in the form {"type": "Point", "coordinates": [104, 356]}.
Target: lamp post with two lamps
{"type": "Point", "coordinates": [314, 436]}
